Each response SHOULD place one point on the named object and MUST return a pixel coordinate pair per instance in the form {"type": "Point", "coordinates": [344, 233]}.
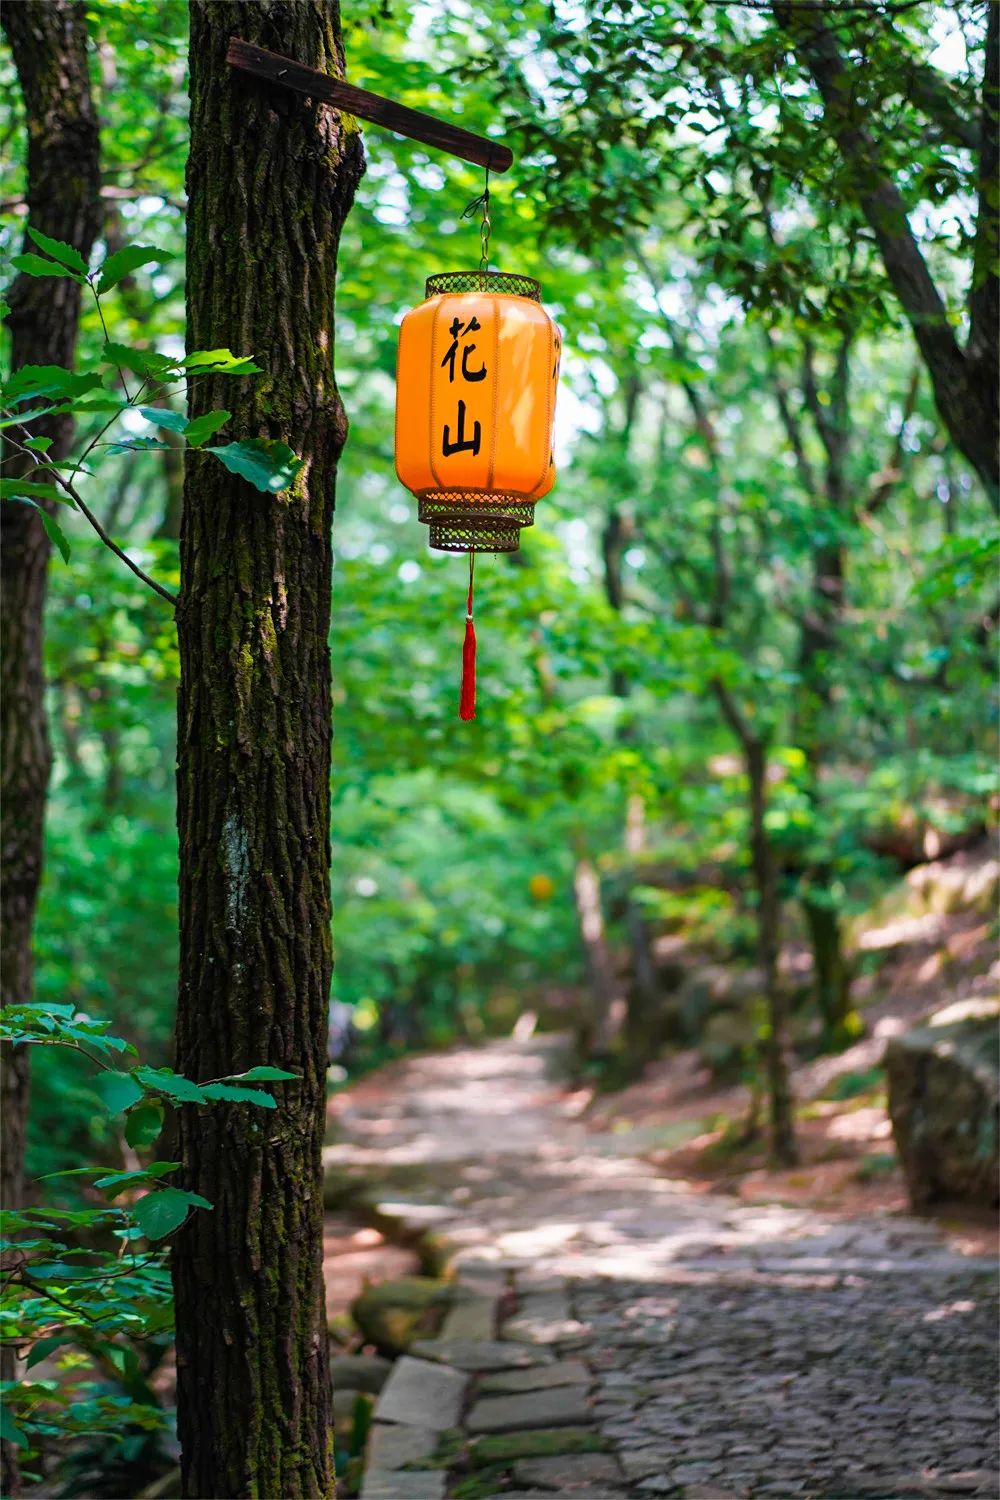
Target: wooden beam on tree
{"type": "Point", "coordinates": [286, 73]}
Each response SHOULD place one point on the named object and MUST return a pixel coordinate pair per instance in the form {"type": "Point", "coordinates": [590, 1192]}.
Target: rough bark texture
{"type": "Point", "coordinates": [48, 40]}
{"type": "Point", "coordinates": [270, 180]}
{"type": "Point", "coordinates": [964, 380]}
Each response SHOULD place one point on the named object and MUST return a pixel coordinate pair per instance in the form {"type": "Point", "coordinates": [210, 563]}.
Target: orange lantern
{"type": "Point", "coordinates": [476, 384]}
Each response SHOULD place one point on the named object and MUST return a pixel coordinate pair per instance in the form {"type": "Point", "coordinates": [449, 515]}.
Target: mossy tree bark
{"type": "Point", "coordinates": [48, 41]}
{"type": "Point", "coordinates": [270, 180]}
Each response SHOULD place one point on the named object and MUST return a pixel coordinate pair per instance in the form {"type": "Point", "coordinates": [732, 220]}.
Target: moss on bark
{"type": "Point", "coordinates": [270, 180]}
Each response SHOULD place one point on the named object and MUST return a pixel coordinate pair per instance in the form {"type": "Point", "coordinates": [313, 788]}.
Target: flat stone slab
{"type": "Point", "coordinates": [570, 1470]}
{"type": "Point", "coordinates": [388, 1484]}
{"type": "Point", "coordinates": [420, 1393]}
{"type": "Point", "coordinates": [471, 1318]}
{"type": "Point", "coordinates": [540, 1378]}
{"type": "Point", "coordinates": [479, 1355]}
{"type": "Point", "coordinates": [393, 1445]}
{"type": "Point", "coordinates": [563, 1406]}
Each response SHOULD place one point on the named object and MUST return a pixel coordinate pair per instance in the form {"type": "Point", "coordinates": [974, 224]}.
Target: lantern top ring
{"type": "Point", "coordinates": [496, 282]}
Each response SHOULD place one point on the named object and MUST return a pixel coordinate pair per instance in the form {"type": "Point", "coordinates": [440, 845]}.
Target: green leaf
{"type": "Point", "coordinates": [50, 526]}
{"type": "Point", "coordinates": [140, 361]}
{"type": "Point", "coordinates": [119, 1091]}
{"type": "Point", "coordinates": [144, 1123]}
{"type": "Point", "coordinates": [44, 1347]}
{"type": "Point", "coordinates": [203, 427]}
{"type": "Point", "coordinates": [66, 254]}
{"type": "Point", "coordinates": [221, 362]}
{"type": "Point", "coordinates": [34, 265]}
{"type": "Point", "coordinates": [270, 466]}
{"type": "Point", "coordinates": [161, 416]}
{"type": "Point", "coordinates": [196, 1200]}
{"type": "Point", "coordinates": [38, 444]}
{"type": "Point", "coordinates": [55, 534]}
{"type": "Point", "coordinates": [236, 1095]}
{"type": "Point", "coordinates": [19, 489]}
{"type": "Point", "coordinates": [125, 261]}
{"type": "Point", "coordinates": [161, 1212]}
{"type": "Point", "coordinates": [9, 1430]}
{"type": "Point", "coordinates": [117, 1181]}
{"type": "Point", "coordinates": [173, 1084]}
{"type": "Point", "coordinates": [28, 416]}
{"type": "Point", "coordinates": [260, 1075]}
{"type": "Point", "coordinates": [46, 380]}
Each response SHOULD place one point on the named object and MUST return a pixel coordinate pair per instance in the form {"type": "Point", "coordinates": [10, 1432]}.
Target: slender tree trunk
{"type": "Point", "coordinates": [270, 181]}
{"type": "Point", "coordinates": [819, 642]}
{"type": "Point", "coordinates": [644, 1022]}
{"type": "Point", "coordinates": [765, 873]}
{"type": "Point", "coordinates": [831, 970]}
{"type": "Point", "coordinates": [783, 1147]}
{"type": "Point", "coordinates": [48, 40]}
{"type": "Point", "coordinates": [607, 1001]}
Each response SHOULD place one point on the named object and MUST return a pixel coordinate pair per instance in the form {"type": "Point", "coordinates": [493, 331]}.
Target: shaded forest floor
{"type": "Point", "coordinates": [710, 1346]}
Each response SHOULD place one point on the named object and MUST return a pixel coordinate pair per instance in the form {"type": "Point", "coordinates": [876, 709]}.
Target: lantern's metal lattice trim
{"type": "Point", "coordinates": [499, 282]}
{"type": "Point", "coordinates": [473, 521]}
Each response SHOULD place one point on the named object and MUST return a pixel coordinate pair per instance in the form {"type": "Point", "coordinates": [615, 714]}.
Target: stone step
{"type": "Point", "coordinates": [563, 1406]}
{"type": "Point", "coordinates": [385, 1484]}
{"type": "Point", "coordinates": [420, 1393]}
{"type": "Point", "coordinates": [393, 1445]}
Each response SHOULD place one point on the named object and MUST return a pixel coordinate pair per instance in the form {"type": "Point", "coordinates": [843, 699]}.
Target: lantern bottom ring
{"type": "Point", "coordinates": [475, 521]}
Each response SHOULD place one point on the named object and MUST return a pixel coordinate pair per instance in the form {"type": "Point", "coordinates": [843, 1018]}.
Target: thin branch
{"type": "Point", "coordinates": [733, 715]}
{"type": "Point", "coordinates": [95, 523]}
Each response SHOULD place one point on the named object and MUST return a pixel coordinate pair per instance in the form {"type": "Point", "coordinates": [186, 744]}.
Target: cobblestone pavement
{"type": "Point", "coordinates": [614, 1333]}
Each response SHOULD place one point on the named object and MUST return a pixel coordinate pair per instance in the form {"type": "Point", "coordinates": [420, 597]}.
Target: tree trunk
{"type": "Point", "coordinates": [48, 41]}
{"type": "Point", "coordinates": [270, 181]}
{"type": "Point", "coordinates": [783, 1148]}
{"type": "Point", "coordinates": [644, 1021]}
{"type": "Point", "coordinates": [607, 1002]}
{"type": "Point", "coordinates": [831, 971]}
{"type": "Point", "coordinates": [819, 643]}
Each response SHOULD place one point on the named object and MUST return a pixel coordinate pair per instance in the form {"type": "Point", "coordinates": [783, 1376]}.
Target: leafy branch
{"type": "Point", "coordinates": [39, 391]}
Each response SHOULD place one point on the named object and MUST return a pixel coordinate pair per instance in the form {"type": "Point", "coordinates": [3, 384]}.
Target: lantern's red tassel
{"type": "Point", "coordinates": [467, 702]}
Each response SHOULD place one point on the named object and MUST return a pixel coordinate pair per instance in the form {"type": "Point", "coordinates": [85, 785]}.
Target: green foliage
{"type": "Point", "coordinates": [82, 1292]}
{"type": "Point", "coordinates": [268, 465]}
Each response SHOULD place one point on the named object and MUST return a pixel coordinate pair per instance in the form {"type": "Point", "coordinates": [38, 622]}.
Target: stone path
{"type": "Point", "coordinates": [614, 1333]}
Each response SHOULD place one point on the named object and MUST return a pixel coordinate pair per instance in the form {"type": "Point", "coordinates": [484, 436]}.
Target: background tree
{"type": "Point", "coordinates": [63, 175]}
{"type": "Point", "coordinates": [269, 184]}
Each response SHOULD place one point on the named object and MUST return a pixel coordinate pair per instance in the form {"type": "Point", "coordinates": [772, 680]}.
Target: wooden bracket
{"type": "Point", "coordinates": [289, 74]}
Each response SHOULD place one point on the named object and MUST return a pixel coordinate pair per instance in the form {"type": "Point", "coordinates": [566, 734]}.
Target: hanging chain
{"type": "Point", "coordinates": [482, 202]}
